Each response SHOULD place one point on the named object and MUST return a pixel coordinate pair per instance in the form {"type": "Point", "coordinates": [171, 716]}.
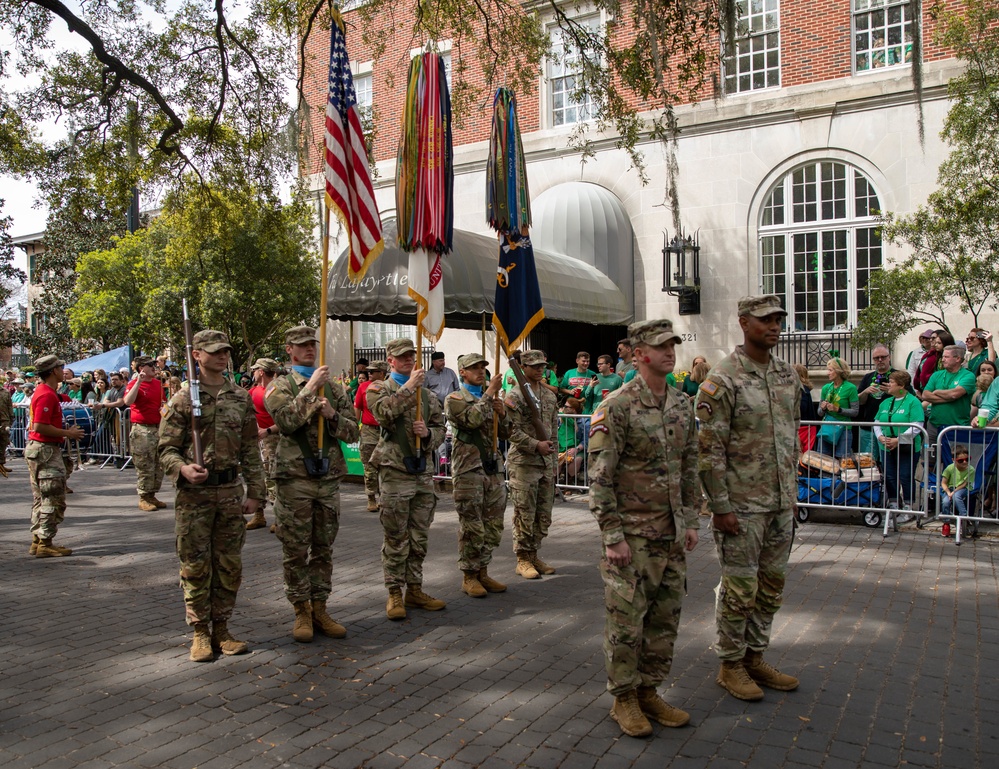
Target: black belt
{"type": "Point", "coordinates": [213, 479]}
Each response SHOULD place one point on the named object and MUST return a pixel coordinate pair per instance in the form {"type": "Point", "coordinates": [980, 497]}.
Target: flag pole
{"type": "Point", "coordinates": [419, 395]}
{"type": "Point", "coordinates": [324, 297]}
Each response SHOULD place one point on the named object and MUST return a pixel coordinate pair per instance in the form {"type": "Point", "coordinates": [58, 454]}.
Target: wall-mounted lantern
{"type": "Point", "coordinates": [682, 272]}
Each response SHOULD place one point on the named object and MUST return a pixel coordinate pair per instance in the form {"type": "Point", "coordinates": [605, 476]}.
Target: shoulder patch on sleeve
{"type": "Point", "coordinates": [598, 416]}
{"type": "Point", "coordinates": [456, 394]}
{"type": "Point", "coordinates": [704, 406]}
{"type": "Point", "coordinates": [509, 402]}
{"type": "Point", "coordinates": [374, 386]}
{"type": "Point", "coordinates": [594, 429]}
{"type": "Point", "coordinates": [709, 388]}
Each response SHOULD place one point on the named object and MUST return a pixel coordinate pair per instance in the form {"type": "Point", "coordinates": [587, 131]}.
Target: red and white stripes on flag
{"type": "Point", "coordinates": [345, 165]}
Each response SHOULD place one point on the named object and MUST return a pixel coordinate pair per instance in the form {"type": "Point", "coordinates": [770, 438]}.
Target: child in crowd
{"type": "Point", "coordinates": [956, 482]}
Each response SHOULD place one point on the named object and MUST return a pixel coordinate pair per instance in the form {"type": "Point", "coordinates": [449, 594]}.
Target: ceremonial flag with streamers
{"type": "Point", "coordinates": [348, 181]}
{"type": "Point", "coordinates": [517, 309]}
{"type": "Point", "coordinates": [424, 188]}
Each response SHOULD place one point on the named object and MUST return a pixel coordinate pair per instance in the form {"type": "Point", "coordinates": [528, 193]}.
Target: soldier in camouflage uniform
{"type": "Point", "coordinates": [645, 496]}
{"type": "Point", "coordinates": [749, 412]}
{"type": "Point", "coordinates": [308, 480]}
{"type": "Point", "coordinates": [210, 505]}
{"type": "Point", "coordinates": [532, 467]}
{"type": "Point", "coordinates": [43, 453]}
{"type": "Point", "coordinates": [371, 433]}
{"type": "Point", "coordinates": [6, 420]}
{"type": "Point", "coordinates": [405, 475]}
{"type": "Point", "coordinates": [477, 472]}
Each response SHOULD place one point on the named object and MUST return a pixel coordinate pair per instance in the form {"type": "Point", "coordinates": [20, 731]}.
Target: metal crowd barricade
{"type": "Point", "coordinates": [884, 487]}
{"type": "Point", "coordinates": [106, 435]}
{"type": "Point", "coordinates": [982, 445]}
{"type": "Point", "coordinates": [19, 430]}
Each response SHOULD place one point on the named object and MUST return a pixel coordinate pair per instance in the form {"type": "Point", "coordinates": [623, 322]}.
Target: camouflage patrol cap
{"type": "Point", "coordinates": [533, 358]}
{"type": "Point", "coordinates": [210, 341]}
{"type": "Point", "coordinates": [760, 306]}
{"type": "Point", "coordinates": [269, 365]}
{"type": "Point", "coordinates": [652, 332]}
{"type": "Point", "coordinates": [378, 365]}
{"type": "Point", "coordinates": [46, 363]}
{"type": "Point", "coordinates": [398, 347]}
{"type": "Point", "coordinates": [467, 361]}
{"type": "Point", "coordinates": [145, 360]}
{"type": "Point", "coordinates": [300, 335]}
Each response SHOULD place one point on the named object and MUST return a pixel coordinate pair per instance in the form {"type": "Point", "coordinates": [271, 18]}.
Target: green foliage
{"type": "Point", "coordinates": [953, 240]}
{"type": "Point", "coordinates": [241, 259]}
{"type": "Point", "coordinates": [11, 280]}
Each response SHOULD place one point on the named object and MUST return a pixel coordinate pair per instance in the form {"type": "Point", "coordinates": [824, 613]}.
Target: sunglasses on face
{"type": "Point", "coordinates": [961, 459]}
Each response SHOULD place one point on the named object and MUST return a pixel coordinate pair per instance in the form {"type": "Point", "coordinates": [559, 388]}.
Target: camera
{"type": "Point", "coordinates": [980, 334]}
{"type": "Point", "coordinates": [880, 379]}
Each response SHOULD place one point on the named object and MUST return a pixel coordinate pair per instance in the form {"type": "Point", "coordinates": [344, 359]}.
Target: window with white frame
{"type": "Point", "coordinates": [819, 244]}
{"type": "Point", "coordinates": [562, 71]}
{"type": "Point", "coordinates": [371, 334]}
{"type": "Point", "coordinates": [364, 91]}
{"type": "Point", "coordinates": [882, 34]}
{"type": "Point", "coordinates": [755, 62]}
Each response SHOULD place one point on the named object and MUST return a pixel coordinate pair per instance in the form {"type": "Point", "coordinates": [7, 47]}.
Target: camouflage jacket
{"type": "Point", "coordinates": [228, 427]}
{"type": "Point", "coordinates": [388, 406]}
{"type": "Point", "coordinates": [748, 441]}
{"type": "Point", "coordinates": [523, 441]}
{"type": "Point", "coordinates": [643, 464]}
{"type": "Point", "coordinates": [6, 411]}
{"type": "Point", "coordinates": [290, 412]}
{"type": "Point", "coordinates": [469, 415]}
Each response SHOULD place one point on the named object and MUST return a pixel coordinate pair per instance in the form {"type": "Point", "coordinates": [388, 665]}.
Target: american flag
{"type": "Point", "coordinates": [348, 183]}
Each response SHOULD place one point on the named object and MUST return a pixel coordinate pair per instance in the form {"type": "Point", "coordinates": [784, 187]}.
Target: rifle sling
{"type": "Point", "coordinates": [301, 435]}
{"type": "Point", "coordinates": [399, 435]}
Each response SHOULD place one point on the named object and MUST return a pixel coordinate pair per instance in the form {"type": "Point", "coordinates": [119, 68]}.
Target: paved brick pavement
{"type": "Point", "coordinates": [896, 644]}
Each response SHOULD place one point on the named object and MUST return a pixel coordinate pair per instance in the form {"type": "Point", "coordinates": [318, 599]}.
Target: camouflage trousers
{"type": "Point", "coordinates": [143, 443]}
{"type": "Point", "coordinates": [4, 443]}
{"type": "Point", "coordinates": [533, 492]}
{"type": "Point", "coordinates": [210, 533]}
{"type": "Point", "coordinates": [406, 511]}
{"type": "Point", "coordinates": [47, 471]}
{"type": "Point", "coordinates": [369, 439]}
{"type": "Point", "coordinates": [307, 512]}
{"type": "Point", "coordinates": [643, 601]}
{"type": "Point", "coordinates": [480, 500]}
{"type": "Point", "coordinates": [754, 567]}
{"type": "Point", "coordinates": [268, 444]}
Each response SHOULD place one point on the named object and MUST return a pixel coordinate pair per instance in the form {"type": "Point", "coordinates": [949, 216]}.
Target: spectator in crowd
{"type": "Point", "coordinates": [23, 396]}
{"type": "Point", "coordinates": [873, 389]}
{"type": "Point", "coordinates": [550, 380]}
{"type": "Point", "coordinates": [928, 363]}
{"type": "Point", "coordinates": [988, 367]}
{"type": "Point", "coordinates": [809, 411]}
{"type": "Point", "coordinates": [509, 378]}
{"type": "Point", "coordinates": [947, 395]}
{"type": "Point", "coordinates": [570, 449]}
{"type": "Point", "coordinates": [67, 376]}
{"type": "Point", "coordinates": [360, 366]}
{"type": "Point", "coordinates": [575, 380]}
{"type": "Point", "coordinates": [900, 440]}
{"type": "Point", "coordinates": [624, 358]}
{"type": "Point", "coordinates": [9, 382]}
{"type": "Point", "coordinates": [114, 398]}
{"type": "Point", "coordinates": [839, 405]}
{"type": "Point", "coordinates": [604, 383]}
{"type": "Point", "coordinates": [96, 395]}
{"type": "Point", "coordinates": [74, 391]}
{"type": "Point", "coordinates": [699, 371]}
{"type": "Point", "coordinates": [441, 380]}
{"type": "Point", "coordinates": [980, 349]}
{"type": "Point", "coordinates": [982, 384]}
{"type": "Point", "coordinates": [956, 482]}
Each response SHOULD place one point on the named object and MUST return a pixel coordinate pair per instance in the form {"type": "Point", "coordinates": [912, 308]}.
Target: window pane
{"type": "Point", "coordinates": [879, 34]}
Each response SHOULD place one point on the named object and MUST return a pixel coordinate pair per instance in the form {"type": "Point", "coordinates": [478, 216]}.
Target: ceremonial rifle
{"type": "Point", "coordinates": [533, 403]}
{"type": "Point", "coordinates": [192, 380]}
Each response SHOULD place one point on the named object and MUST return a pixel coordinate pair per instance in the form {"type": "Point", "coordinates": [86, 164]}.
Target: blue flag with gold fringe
{"type": "Point", "coordinates": [517, 309]}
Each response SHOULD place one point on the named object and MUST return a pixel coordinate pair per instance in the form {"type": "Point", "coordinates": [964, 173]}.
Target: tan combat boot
{"type": "Point", "coordinates": [766, 674]}
{"type": "Point", "coordinates": [155, 501]}
{"type": "Point", "coordinates": [324, 623]}
{"type": "Point", "coordinates": [394, 608]}
{"type": "Point", "coordinates": [525, 566]}
{"type": "Point", "coordinates": [417, 598]}
{"type": "Point", "coordinates": [471, 586]}
{"type": "Point", "coordinates": [34, 545]}
{"type": "Point", "coordinates": [146, 503]}
{"type": "Point", "coordinates": [201, 649]}
{"type": "Point", "coordinates": [45, 549]}
{"type": "Point", "coordinates": [629, 715]}
{"type": "Point", "coordinates": [257, 521]}
{"type": "Point", "coordinates": [303, 622]}
{"type": "Point", "coordinates": [656, 708]}
{"type": "Point", "coordinates": [541, 566]}
{"type": "Point", "coordinates": [734, 679]}
{"type": "Point", "coordinates": [222, 640]}
{"type": "Point", "coordinates": [372, 505]}
{"type": "Point", "coordinates": [490, 584]}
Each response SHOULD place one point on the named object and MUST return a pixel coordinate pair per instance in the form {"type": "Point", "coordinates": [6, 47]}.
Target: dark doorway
{"type": "Point", "coordinates": [561, 340]}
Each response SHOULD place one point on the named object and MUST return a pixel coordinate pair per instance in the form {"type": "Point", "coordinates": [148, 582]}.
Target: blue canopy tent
{"type": "Point", "coordinates": [112, 360]}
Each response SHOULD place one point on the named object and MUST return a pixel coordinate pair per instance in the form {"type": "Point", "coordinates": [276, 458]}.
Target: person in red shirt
{"type": "Point", "coordinates": [144, 396]}
{"type": "Point", "coordinates": [264, 371]}
{"type": "Point", "coordinates": [370, 432]}
{"type": "Point", "coordinates": [44, 457]}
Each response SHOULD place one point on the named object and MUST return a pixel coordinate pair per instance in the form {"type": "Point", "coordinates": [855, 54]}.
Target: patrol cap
{"type": "Point", "coordinates": [145, 360]}
{"type": "Point", "coordinates": [210, 340]}
{"type": "Point", "coordinates": [533, 358]}
{"type": "Point", "coordinates": [47, 363]}
{"type": "Point", "coordinates": [378, 365]}
{"type": "Point", "coordinates": [398, 347]}
{"type": "Point", "coordinates": [467, 361]}
{"type": "Point", "coordinates": [269, 365]}
{"type": "Point", "coordinates": [760, 306]}
{"type": "Point", "coordinates": [300, 335]}
{"type": "Point", "coordinates": [652, 332]}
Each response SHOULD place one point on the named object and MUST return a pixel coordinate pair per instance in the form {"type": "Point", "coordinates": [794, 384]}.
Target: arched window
{"type": "Point", "coordinates": [819, 244]}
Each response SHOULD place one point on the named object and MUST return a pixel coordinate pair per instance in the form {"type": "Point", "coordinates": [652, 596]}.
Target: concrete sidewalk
{"type": "Point", "coordinates": [896, 644]}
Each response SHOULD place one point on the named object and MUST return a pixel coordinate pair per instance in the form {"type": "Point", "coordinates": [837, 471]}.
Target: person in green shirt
{"type": "Point", "coordinates": [956, 483]}
{"type": "Point", "coordinates": [980, 349]}
{"type": "Point", "coordinates": [839, 404]}
{"type": "Point", "coordinates": [605, 382]}
{"type": "Point", "coordinates": [899, 437]}
{"type": "Point", "coordinates": [948, 393]}
{"type": "Point", "coordinates": [576, 379]}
